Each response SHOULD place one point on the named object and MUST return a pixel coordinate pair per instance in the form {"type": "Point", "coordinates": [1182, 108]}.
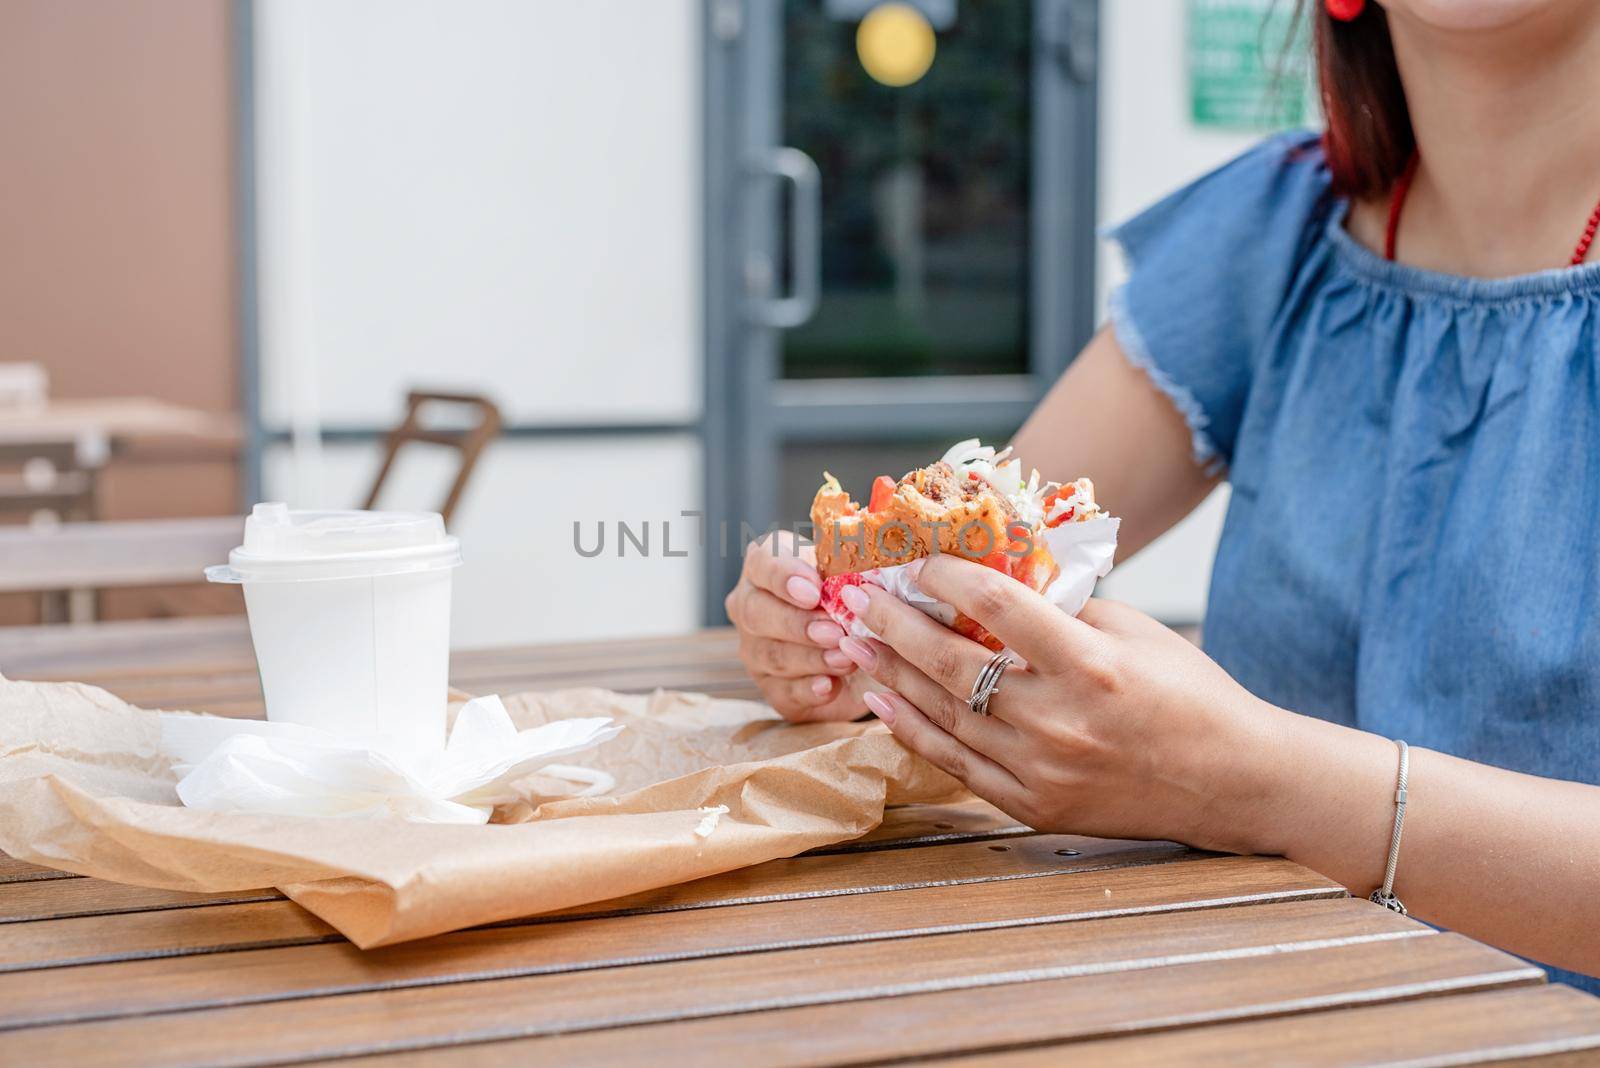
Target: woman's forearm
{"type": "Point", "coordinates": [1104, 419]}
{"type": "Point", "coordinates": [1508, 858]}
{"type": "Point", "coordinates": [1120, 728]}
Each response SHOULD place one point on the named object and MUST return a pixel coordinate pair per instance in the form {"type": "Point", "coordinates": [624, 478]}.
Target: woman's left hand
{"type": "Point", "coordinates": [1116, 726]}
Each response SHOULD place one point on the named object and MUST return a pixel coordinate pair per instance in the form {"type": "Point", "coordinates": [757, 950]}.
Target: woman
{"type": "Point", "coordinates": [1378, 339]}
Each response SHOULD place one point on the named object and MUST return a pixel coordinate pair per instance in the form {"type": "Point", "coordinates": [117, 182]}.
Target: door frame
{"type": "Point", "coordinates": [751, 412]}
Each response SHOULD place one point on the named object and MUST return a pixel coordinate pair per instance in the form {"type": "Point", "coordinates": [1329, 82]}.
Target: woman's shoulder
{"type": "Point", "coordinates": [1275, 189]}
{"type": "Point", "coordinates": [1209, 266]}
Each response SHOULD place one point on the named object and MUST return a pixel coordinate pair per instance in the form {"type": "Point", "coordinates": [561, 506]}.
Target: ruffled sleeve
{"type": "Point", "coordinates": [1209, 268]}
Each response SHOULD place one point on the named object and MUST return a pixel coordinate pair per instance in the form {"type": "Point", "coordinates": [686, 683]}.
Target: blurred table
{"type": "Point", "coordinates": [74, 561]}
{"type": "Point", "coordinates": [207, 664]}
{"type": "Point", "coordinates": [949, 933]}
{"type": "Point", "coordinates": [101, 555]}
{"type": "Point", "coordinates": [52, 457]}
{"type": "Point", "coordinates": [102, 427]}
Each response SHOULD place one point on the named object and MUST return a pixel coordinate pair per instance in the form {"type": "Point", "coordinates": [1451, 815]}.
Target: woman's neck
{"type": "Point", "coordinates": [1509, 135]}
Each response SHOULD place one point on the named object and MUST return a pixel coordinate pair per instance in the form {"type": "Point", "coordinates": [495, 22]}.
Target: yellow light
{"type": "Point", "coordinates": [895, 44]}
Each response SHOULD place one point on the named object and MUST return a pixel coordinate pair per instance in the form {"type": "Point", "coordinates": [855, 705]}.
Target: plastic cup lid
{"type": "Point", "coordinates": [281, 545]}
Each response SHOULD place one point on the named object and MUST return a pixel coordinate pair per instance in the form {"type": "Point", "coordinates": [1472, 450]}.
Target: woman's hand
{"type": "Point", "coordinates": [788, 644]}
{"type": "Point", "coordinates": [1119, 728]}
{"type": "Point", "coordinates": [1116, 727]}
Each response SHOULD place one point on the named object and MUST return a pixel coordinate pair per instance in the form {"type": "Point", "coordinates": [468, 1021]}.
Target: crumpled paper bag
{"type": "Point", "coordinates": [84, 787]}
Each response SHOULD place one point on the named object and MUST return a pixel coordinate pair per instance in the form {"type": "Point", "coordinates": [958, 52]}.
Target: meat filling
{"type": "Point", "coordinates": [942, 483]}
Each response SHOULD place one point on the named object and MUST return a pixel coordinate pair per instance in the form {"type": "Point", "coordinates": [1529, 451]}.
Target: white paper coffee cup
{"type": "Point", "coordinates": [350, 617]}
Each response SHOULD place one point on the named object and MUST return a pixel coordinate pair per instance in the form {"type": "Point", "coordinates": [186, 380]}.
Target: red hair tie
{"type": "Point", "coordinates": [1346, 10]}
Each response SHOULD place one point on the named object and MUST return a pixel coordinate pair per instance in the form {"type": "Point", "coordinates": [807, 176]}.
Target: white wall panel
{"type": "Point", "coordinates": [500, 195]}
{"type": "Point", "coordinates": [1148, 145]}
{"type": "Point", "coordinates": [522, 580]}
{"type": "Point", "coordinates": [1148, 148]}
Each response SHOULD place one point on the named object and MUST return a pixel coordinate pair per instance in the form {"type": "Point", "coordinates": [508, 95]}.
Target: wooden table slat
{"type": "Point", "coordinates": [102, 555]}
{"type": "Point", "coordinates": [13, 870]}
{"type": "Point", "coordinates": [170, 649]}
{"type": "Point", "coordinates": [731, 685]}
{"type": "Point", "coordinates": [215, 928]}
{"type": "Point", "coordinates": [207, 665]}
{"type": "Point", "coordinates": [208, 695]}
{"type": "Point", "coordinates": [909, 825]}
{"type": "Point", "coordinates": [268, 974]}
{"type": "Point", "coordinates": [1002, 1016]}
{"type": "Point", "coordinates": [902, 827]}
{"type": "Point", "coordinates": [1469, 1029]}
{"type": "Point", "coordinates": [26, 901]}
{"type": "Point", "coordinates": [643, 993]}
{"type": "Point", "coordinates": [233, 686]}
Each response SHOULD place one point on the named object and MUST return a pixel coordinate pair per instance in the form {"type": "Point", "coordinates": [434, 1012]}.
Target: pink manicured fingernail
{"type": "Point", "coordinates": [821, 685]}
{"type": "Point", "coordinates": [854, 599]}
{"type": "Point", "coordinates": [824, 633]}
{"type": "Point", "coordinates": [859, 651]}
{"type": "Point", "coordinates": [880, 707]}
{"type": "Point", "coordinates": [836, 659]}
{"type": "Point", "coordinates": [802, 592]}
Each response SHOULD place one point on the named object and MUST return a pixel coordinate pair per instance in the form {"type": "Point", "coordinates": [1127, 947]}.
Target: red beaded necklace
{"type": "Point", "coordinates": [1402, 186]}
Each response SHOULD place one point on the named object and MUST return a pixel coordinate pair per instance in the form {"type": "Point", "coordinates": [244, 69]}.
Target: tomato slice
{"type": "Point", "coordinates": [1061, 494]}
{"type": "Point", "coordinates": [882, 489]}
{"type": "Point", "coordinates": [1000, 560]}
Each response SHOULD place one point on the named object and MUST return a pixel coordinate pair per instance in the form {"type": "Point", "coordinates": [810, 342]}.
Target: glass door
{"type": "Point", "coordinates": [900, 203]}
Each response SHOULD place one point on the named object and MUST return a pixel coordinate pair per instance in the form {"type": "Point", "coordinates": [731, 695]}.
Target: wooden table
{"type": "Point", "coordinates": [73, 562]}
{"type": "Point", "coordinates": [103, 555]}
{"type": "Point", "coordinates": [100, 427]}
{"type": "Point", "coordinates": [79, 438]}
{"type": "Point", "coordinates": [949, 932]}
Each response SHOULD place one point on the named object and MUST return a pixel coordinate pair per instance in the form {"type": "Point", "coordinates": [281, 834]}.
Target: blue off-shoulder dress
{"type": "Point", "coordinates": [1411, 544]}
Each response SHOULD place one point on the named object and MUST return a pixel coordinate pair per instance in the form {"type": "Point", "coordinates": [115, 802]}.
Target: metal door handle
{"type": "Point", "coordinates": [805, 239]}
{"type": "Point", "coordinates": [1073, 37]}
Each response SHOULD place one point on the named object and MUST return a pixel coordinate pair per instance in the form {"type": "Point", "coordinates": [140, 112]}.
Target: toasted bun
{"type": "Point", "coordinates": [910, 526]}
{"type": "Point", "coordinates": [951, 506]}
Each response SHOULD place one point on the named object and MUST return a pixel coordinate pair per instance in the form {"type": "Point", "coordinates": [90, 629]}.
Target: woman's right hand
{"type": "Point", "coordinates": [788, 644]}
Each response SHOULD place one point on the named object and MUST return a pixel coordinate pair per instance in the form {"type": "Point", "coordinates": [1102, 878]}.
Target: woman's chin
{"type": "Point", "coordinates": [1479, 15]}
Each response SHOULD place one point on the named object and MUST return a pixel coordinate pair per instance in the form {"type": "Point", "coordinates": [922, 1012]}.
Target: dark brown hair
{"type": "Point", "coordinates": [1369, 139]}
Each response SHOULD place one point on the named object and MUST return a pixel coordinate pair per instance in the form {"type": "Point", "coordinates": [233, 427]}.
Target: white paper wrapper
{"type": "Point", "coordinates": [229, 765]}
{"type": "Point", "coordinates": [1084, 552]}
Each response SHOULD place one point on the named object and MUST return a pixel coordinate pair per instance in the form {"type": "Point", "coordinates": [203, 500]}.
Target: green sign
{"type": "Point", "coordinates": [1249, 65]}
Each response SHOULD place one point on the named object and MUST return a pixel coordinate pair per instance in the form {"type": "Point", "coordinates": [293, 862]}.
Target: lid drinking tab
{"type": "Point", "coordinates": [274, 530]}
{"type": "Point", "coordinates": [286, 545]}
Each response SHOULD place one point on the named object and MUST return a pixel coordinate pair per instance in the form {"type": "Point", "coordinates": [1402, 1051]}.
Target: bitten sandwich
{"type": "Point", "coordinates": [973, 502]}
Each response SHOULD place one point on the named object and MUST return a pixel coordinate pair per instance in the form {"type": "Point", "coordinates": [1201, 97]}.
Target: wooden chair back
{"type": "Point", "coordinates": [469, 442]}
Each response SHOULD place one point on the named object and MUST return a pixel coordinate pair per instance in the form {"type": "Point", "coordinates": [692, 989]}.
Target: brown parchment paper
{"type": "Point", "coordinates": [85, 788]}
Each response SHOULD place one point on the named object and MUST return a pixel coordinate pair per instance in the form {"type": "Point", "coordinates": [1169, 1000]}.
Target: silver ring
{"type": "Point", "coordinates": [987, 684]}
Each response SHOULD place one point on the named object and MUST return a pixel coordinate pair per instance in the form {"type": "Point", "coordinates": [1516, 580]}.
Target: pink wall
{"type": "Point", "coordinates": [116, 217]}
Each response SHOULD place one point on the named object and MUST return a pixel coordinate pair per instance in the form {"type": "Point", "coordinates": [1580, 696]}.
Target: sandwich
{"type": "Point", "coordinates": [974, 503]}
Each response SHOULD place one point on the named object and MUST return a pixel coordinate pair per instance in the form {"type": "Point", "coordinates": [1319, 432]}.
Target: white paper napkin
{"type": "Point", "coordinates": [230, 765]}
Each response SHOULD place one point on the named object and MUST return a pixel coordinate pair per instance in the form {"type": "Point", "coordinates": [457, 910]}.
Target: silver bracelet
{"type": "Point", "coordinates": [1385, 895]}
